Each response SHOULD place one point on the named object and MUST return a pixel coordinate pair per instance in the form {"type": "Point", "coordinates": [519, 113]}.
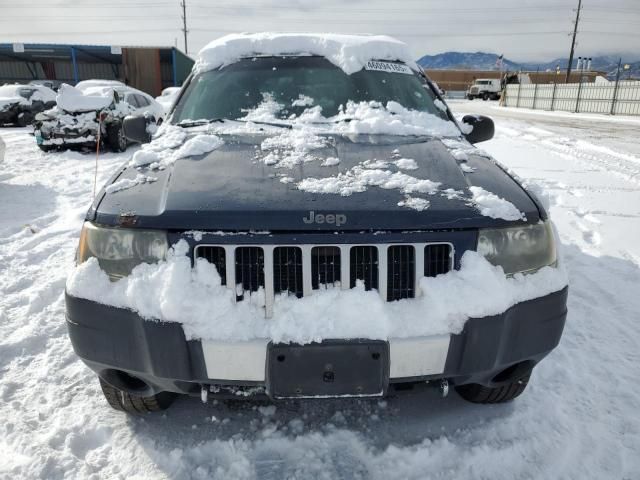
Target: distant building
{"type": "Point", "coordinates": [149, 69]}
{"type": "Point", "coordinates": [460, 80]}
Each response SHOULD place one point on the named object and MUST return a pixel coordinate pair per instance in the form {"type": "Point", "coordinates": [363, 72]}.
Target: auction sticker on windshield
{"type": "Point", "coordinates": [387, 67]}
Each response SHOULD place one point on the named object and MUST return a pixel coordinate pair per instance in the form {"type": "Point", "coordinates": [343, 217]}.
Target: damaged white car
{"type": "Point", "coordinates": [93, 113]}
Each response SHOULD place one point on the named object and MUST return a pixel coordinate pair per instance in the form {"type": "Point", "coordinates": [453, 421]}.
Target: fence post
{"type": "Point", "coordinates": [579, 89]}
{"type": "Point", "coordinates": [553, 94]}
{"type": "Point", "coordinates": [518, 99]}
{"type": "Point", "coordinates": [535, 88]}
{"type": "Point", "coordinates": [615, 89]}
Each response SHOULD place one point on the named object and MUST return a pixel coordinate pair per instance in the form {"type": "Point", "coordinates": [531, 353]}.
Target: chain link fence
{"type": "Point", "coordinates": [618, 98]}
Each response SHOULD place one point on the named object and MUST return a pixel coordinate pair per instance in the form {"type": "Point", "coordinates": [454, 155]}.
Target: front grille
{"type": "Point", "coordinates": [287, 270]}
{"type": "Point", "coordinates": [215, 256]}
{"type": "Point", "coordinates": [437, 259]}
{"type": "Point", "coordinates": [325, 267]}
{"type": "Point", "coordinates": [363, 265]}
{"type": "Point", "coordinates": [393, 270]}
{"type": "Point", "coordinates": [401, 272]}
{"type": "Point", "coordinates": [249, 270]}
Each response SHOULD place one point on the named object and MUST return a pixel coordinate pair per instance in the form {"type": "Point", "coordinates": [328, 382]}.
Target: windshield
{"type": "Point", "coordinates": [298, 83]}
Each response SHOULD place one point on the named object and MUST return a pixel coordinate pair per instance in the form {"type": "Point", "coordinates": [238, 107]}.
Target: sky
{"type": "Point", "coordinates": [522, 30]}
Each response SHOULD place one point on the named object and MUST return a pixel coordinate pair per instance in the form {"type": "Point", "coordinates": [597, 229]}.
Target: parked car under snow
{"type": "Point", "coordinates": [313, 222]}
{"type": "Point", "coordinates": [168, 97]}
{"type": "Point", "coordinates": [92, 111]}
{"type": "Point", "coordinates": [19, 104]}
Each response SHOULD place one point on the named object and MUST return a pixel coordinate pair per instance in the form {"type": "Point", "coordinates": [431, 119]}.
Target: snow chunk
{"type": "Point", "coordinates": [348, 52]}
{"type": "Point", "coordinates": [406, 164]}
{"type": "Point", "coordinates": [198, 145]}
{"type": "Point", "coordinates": [491, 205]}
{"type": "Point", "coordinates": [393, 119]}
{"type": "Point", "coordinates": [303, 101]}
{"type": "Point", "coordinates": [330, 162]}
{"type": "Point", "coordinates": [127, 183]}
{"type": "Point", "coordinates": [291, 148]}
{"type": "Point", "coordinates": [416, 203]}
{"type": "Point", "coordinates": [440, 104]}
{"type": "Point", "coordinates": [169, 145]}
{"type": "Point", "coordinates": [466, 168]}
{"type": "Point", "coordinates": [359, 178]}
{"type": "Point", "coordinates": [444, 305]}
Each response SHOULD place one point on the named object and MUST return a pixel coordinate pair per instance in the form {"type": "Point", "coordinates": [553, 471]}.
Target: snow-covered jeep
{"type": "Point", "coordinates": [313, 222]}
{"type": "Point", "coordinates": [19, 104]}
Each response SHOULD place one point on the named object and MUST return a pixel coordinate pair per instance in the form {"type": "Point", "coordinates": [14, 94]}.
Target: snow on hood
{"type": "Point", "coordinates": [91, 98]}
{"type": "Point", "coordinates": [478, 289]}
{"type": "Point", "coordinates": [348, 52]}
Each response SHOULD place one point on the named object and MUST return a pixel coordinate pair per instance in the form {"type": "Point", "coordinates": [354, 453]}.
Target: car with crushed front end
{"type": "Point", "coordinates": [307, 227]}
{"type": "Point", "coordinates": [19, 104]}
{"type": "Point", "coordinates": [92, 113]}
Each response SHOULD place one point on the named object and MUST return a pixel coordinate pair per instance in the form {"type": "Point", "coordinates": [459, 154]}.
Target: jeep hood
{"type": "Point", "coordinates": [232, 189]}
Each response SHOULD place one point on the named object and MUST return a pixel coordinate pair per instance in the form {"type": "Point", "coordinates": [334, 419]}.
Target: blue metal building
{"type": "Point", "coordinates": [147, 68]}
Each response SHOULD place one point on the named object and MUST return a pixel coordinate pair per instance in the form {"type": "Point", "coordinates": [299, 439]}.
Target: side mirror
{"type": "Point", "coordinates": [482, 128]}
{"type": "Point", "coordinates": [135, 129]}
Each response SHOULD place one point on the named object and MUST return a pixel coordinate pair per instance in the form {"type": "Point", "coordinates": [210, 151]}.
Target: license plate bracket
{"type": "Point", "coordinates": [333, 368]}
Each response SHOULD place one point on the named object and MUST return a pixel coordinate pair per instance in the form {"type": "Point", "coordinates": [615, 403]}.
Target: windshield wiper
{"type": "Point", "coordinates": [197, 123]}
{"type": "Point", "coordinates": [272, 124]}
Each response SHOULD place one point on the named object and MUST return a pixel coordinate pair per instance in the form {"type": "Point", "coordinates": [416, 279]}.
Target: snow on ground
{"type": "Point", "coordinates": [578, 418]}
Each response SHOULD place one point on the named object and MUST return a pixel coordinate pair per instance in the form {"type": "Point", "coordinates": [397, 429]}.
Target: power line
{"type": "Point", "coordinates": [183, 4]}
{"type": "Point", "coordinates": [573, 41]}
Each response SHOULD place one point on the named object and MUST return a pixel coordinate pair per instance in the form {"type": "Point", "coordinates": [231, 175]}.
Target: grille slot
{"type": "Point", "coordinates": [215, 256]}
{"type": "Point", "coordinates": [249, 270]}
{"type": "Point", "coordinates": [437, 259]}
{"type": "Point", "coordinates": [325, 267]}
{"type": "Point", "coordinates": [401, 272]}
{"type": "Point", "coordinates": [287, 270]}
{"type": "Point", "coordinates": [363, 263]}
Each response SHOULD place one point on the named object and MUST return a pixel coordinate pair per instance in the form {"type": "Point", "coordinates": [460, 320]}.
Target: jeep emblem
{"type": "Point", "coordinates": [337, 219]}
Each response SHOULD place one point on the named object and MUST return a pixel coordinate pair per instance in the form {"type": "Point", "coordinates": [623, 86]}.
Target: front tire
{"type": "Point", "coordinates": [116, 139]}
{"type": "Point", "coordinates": [480, 394]}
{"type": "Point", "coordinates": [135, 404]}
{"type": "Point", "coordinates": [24, 119]}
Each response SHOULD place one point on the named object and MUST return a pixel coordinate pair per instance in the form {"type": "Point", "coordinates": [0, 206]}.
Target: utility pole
{"type": "Point", "coordinates": [183, 4]}
{"type": "Point", "coordinates": [573, 41]}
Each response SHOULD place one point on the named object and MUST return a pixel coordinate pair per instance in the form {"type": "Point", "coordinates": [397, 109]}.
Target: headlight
{"type": "Point", "coordinates": [119, 250]}
{"type": "Point", "coordinates": [519, 249]}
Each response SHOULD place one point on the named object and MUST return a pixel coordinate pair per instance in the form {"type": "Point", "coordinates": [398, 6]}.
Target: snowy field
{"type": "Point", "coordinates": [579, 417]}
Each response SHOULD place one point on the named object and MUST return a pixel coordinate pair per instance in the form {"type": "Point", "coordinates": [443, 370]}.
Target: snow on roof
{"type": "Point", "coordinates": [349, 52]}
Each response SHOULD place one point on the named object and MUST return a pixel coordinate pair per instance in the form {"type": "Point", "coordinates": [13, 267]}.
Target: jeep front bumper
{"type": "Point", "coordinates": [147, 357]}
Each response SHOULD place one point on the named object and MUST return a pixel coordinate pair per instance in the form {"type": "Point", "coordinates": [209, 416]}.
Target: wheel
{"type": "Point", "coordinates": [469, 97]}
{"type": "Point", "coordinates": [116, 139]}
{"type": "Point", "coordinates": [485, 97]}
{"type": "Point", "coordinates": [126, 402]}
{"type": "Point", "coordinates": [24, 119]}
{"type": "Point", "coordinates": [479, 394]}
{"type": "Point", "coordinates": [46, 148]}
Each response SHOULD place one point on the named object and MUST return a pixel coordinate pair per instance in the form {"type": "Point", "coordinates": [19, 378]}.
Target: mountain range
{"type": "Point", "coordinates": [487, 61]}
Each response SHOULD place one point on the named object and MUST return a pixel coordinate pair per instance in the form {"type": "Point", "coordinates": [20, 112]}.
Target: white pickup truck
{"type": "Point", "coordinates": [485, 88]}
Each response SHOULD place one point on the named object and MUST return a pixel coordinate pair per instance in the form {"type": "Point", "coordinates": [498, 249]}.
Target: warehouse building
{"type": "Point", "coordinates": [149, 69]}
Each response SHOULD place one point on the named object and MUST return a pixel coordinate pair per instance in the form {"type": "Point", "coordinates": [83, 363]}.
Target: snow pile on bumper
{"type": "Point", "coordinates": [173, 291]}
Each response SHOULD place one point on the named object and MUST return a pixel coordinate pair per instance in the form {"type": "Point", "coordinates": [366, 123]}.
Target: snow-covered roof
{"type": "Point", "coordinates": [349, 52]}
